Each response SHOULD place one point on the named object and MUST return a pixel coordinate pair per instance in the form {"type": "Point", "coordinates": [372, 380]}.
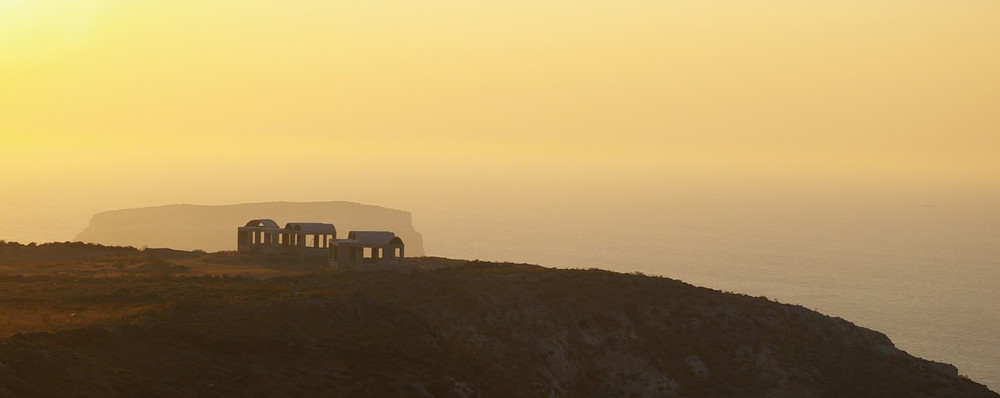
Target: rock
{"type": "Point", "coordinates": [697, 367]}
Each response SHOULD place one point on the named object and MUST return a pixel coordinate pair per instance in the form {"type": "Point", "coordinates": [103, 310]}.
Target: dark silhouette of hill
{"type": "Point", "coordinates": [13, 253]}
{"type": "Point", "coordinates": [213, 228]}
{"type": "Point", "coordinates": [116, 326]}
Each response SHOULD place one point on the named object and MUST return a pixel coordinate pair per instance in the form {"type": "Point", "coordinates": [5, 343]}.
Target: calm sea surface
{"type": "Point", "coordinates": [928, 276]}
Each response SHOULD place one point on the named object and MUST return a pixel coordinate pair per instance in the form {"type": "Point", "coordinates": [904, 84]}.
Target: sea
{"type": "Point", "coordinates": [925, 274]}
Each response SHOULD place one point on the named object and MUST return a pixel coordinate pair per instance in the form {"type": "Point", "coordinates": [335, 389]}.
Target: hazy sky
{"type": "Point", "coordinates": [123, 103]}
{"type": "Point", "coordinates": [483, 117]}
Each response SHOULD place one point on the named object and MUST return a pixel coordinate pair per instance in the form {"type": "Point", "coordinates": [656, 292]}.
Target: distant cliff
{"type": "Point", "coordinates": [213, 228]}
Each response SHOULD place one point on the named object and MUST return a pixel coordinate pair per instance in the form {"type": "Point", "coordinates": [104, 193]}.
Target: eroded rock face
{"type": "Point", "coordinates": [213, 228]}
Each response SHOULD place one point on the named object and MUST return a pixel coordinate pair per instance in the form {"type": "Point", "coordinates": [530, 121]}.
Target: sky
{"type": "Point", "coordinates": [113, 103]}
{"type": "Point", "coordinates": [483, 118]}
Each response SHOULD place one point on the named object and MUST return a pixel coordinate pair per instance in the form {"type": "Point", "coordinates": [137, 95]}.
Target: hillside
{"type": "Point", "coordinates": [213, 228]}
{"type": "Point", "coordinates": [171, 323]}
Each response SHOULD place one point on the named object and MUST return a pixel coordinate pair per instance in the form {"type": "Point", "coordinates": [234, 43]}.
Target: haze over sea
{"type": "Point", "coordinates": [843, 156]}
{"type": "Point", "coordinates": [926, 274]}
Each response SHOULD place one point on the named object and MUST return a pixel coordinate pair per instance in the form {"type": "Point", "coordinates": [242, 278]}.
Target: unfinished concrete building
{"type": "Point", "coordinates": [258, 236]}
{"type": "Point", "coordinates": [302, 239]}
{"type": "Point", "coordinates": [309, 239]}
{"type": "Point", "coordinates": [361, 251]}
{"type": "Point", "coordinates": [367, 251]}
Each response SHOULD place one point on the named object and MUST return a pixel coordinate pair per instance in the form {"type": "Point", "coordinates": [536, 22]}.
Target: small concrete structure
{"type": "Point", "coordinates": [258, 236]}
{"type": "Point", "coordinates": [367, 251]}
{"type": "Point", "coordinates": [308, 239]}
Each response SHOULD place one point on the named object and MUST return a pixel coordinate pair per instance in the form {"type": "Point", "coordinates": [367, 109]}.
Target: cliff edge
{"type": "Point", "coordinates": [213, 228]}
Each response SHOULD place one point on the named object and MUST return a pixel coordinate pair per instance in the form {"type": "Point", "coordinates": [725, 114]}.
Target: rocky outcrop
{"type": "Point", "coordinates": [213, 228]}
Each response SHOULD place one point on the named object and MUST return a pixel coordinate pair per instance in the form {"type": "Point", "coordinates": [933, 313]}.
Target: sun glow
{"type": "Point", "coordinates": [40, 24]}
{"type": "Point", "coordinates": [556, 91]}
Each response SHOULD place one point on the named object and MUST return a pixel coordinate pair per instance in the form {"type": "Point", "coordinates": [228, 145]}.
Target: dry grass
{"type": "Point", "coordinates": [156, 322]}
{"type": "Point", "coordinates": [63, 286]}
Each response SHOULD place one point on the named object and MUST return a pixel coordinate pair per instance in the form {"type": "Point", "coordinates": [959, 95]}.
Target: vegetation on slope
{"type": "Point", "coordinates": [94, 328]}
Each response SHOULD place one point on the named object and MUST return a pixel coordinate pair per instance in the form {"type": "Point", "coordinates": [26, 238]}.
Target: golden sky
{"type": "Point", "coordinates": [150, 102]}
